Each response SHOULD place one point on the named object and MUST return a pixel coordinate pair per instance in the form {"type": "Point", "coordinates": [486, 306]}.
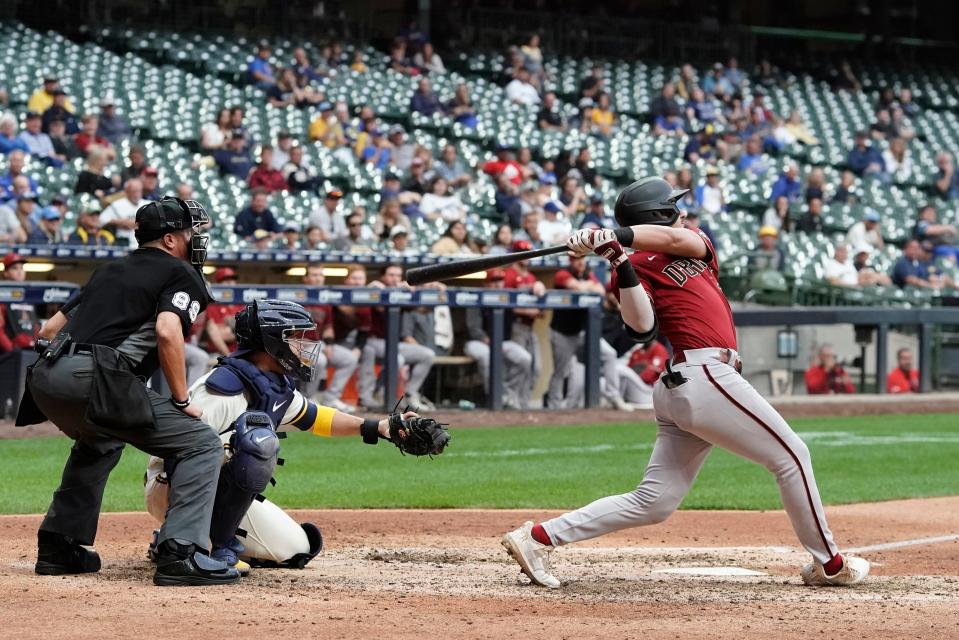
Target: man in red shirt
{"type": "Point", "coordinates": [504, 164]}
{"type": "Point", "coordinates": [19, 324]}
{"type": "Point", "coordinates": [338, 356]}
{"type": "Point", "coordinates": [518, 276]}
{"type": "Point", "coordinates": [826, 375]}
{"type": "Point", "coordinates": [220, 321]}
{"type": "Point", "coordinates": [903, 379]}
{"type": "Point", "coordinates": [88, 135]}
{"type": "Point", "coordinates": [264, 176]}
{"type": "Point", "coordinates": [670, 285]}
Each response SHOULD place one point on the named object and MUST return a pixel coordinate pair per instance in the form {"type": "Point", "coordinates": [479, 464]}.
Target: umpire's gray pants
{"type": "Point", "coordinates": [61, 391]}
{"type": "Point", "coordinates": [517, 369]}
{"type": "Point", "coordinates": [419, 358]}
{"type": "Point", "coordinates": [564, 349]}
{"type": "Point", "coordinates": [344, 364]}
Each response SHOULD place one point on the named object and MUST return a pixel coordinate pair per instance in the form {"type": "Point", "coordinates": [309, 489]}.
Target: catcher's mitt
{"type": "Point", "coordinates": [418, 436]}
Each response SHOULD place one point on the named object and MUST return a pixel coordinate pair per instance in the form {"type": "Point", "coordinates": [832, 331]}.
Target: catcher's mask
{"type": "Point", "coordinates": [281, 329]}
{"type": "Point", "coordinates": [170, 214]}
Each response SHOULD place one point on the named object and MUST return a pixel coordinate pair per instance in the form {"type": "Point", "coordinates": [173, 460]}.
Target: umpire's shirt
{"type": "Point", "coordinates": [118, 308]}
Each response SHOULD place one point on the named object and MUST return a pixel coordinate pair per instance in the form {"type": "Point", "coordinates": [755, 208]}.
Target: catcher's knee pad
{"type": "Point", "coordinates": [247, 473]}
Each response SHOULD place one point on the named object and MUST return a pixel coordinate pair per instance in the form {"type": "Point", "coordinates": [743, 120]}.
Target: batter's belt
{"type": "Point", "coordinates": [708, 356]}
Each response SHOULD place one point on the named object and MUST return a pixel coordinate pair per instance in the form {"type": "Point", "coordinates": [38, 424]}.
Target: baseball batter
{"type": "Point", "coordinates": [670, 285]}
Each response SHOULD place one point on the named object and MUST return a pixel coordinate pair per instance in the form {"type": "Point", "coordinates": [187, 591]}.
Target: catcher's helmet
{"type": "Point", "coordinates": [648, 201]}
{"type": "Point", "coordinates": [281, 329]}
{"type": "Point", "coordinates": [170, 214]}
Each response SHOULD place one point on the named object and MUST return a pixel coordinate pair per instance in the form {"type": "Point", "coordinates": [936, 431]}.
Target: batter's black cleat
{"type": "Point", "coordinates": [184, 565]}
{"type": "Point", "coordinates": [59, 555]}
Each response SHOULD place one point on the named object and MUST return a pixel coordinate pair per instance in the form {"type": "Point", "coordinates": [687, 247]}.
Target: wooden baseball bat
{"type": "Point", "coordinates": [460, 268]}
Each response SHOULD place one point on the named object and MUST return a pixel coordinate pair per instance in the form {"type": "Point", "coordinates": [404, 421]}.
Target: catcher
{"type": "Point", "coordinates": [246, 398]}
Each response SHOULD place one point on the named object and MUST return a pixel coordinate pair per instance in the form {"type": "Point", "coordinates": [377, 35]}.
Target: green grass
{"type": "Point", "coordinates": [856, 459]}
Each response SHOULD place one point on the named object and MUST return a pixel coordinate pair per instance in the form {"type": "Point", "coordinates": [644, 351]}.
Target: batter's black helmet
{"type": "Point", "coordinates": [648, 201]}
{"type": "Point", "coordinates": [169, 214]}
{"type": "Point", "coordinates": [281, 329]}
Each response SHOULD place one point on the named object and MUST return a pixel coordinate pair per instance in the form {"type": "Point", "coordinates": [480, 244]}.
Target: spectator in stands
{"type": "Point", "coordinates": [533, 56]}
{"type": "Point", "coordinates": [767, 74]}
{"type": "Point", "coordinates": [596, 216]}
{"type": "Point", "coordinates": [665, 112]}
{"type": "Point", "coordinates": [264, 176]}
{"type": "Point", "coordinates": [424, 101]}
{"type": "Point", "coordinates": [151, 184]}
{"type": "Point", "coordinates": [234, 160]}
{"type": "Point", "coordinates": [550, 117]}
{"type": "Point", "coordinates": [709, 195]}
{"type": "Point", "coordinates": [502, 240]}
{"type": "Point", "coordinates": [298, 174]}
{"type": "Point", "coordinates": [554, 225]}
{"type": "Point", "coordinates": [507, 200]}
{"type": "Point", "coordinates": [864, 159]}
{"type": "Point", "coordinates": [946, 180]}
{"type": "Point", "coordinates": [358, 65]}
{"type": "Point", "coordinates": [455, 240]}
{"type": "Point", "coordinates": [701, 146]}
{"type": "Point", "coordinates": [220, 318]}
{"type": "Point", "coordinates": [38, 143]}
{"type": "Point", "coordinates": [43, 98]}
{"type": "Point", "coordinates": [377, 151]}
{"type": "Point", "coordinates": [846, 79]}
{"type": "Point", "coordinates": [882, 128]}
{"type": "Point", "coordinates": [402, 151]}
{"type": "Point", "coordinates": [213, 135]}
{"type": "Point", "coordinates": [60, 110]}
{"type": "Point", "coordinates": [49, 230]}
{"type": "Point", "coordinates": [259, 70]}
{"type": "Point", "coordinates": [788, 184]}
{"type": "Point", "coordinates": [281, 150]}
{"type": "Point", "coordinates": [290, 240]}
{"type": "Point", "coordinates": [89, 124]}
{"type": "Point", "coordinates": [903, 379]}
{"type": "Point", "coordinates": [63, 145]}
{"type": "Point", "coordinates": [418, 180]}
{"type": "Point", "coordinates": [313, 239]}
{"type": "Point", "coordinates": [428, 61]}
{"type": "Point", "coordinates": [716, 83]}
{"type": "Point", "coordinates": [9, 140]}
{"type": "Point", "coordinates": [504, 164]}
{"type": "Point", "coordinates": [846, 191]}
{"type": "Point", "coordinates": [794, 130]}
{"type": "Point", "coordinates": [686, 82]}
{"type": "Point", "coordinates": [89, 230]}
{"type": "Point", "coordinates": [529, 231]}
{"type": "Point", "coordinates": [11, 231]}
{"type": "Point", "coordinates": [752, 160]}
{"type": "Point", "coordinates": [572, 196]}
{"type": "Point", "coordinates": [92, 179]}
{"type": "Point", "coordinates": [24, 208]}
{"type": "Point", "coordinates": [328, 218]}
{"type": "Point", "coordinates": [909, 108]}
{"type": "Point", "coordinates": [702, 109]}
{"type": "Point", "coordinates": [898, 160]}
{"type": "Point", "coordinates": [15, 170]}
{"type": "Point", "coordinates": [684, 181]}
{"type": "Point", "coordinates": [398, 243]}
{"type": "Point", "coordinates": [461, 108]}
{"type": "Point", "coordinates": [19, 324]}
{"type": "Point", "coordinates": [237, 116]}
{"type": "Point", "coordinates": [521, 91]}
{"type": "Point", "coordinates": [111, 126]}
{"type": "Point", "coordinates": [694, 221]}
{"type": "Point", "coordinates": [603, 117]}
{"type": "Point", "coordinates": [138, 162]}
{"type": "Point", "coordinates": [592, 83]}
{"type": "Point", "coordinates": [942, 236]}
{"type": "Point", "coordinates": [767, 256]}
{"type": "Point", "coordinates": [452, 169]}
{"type": "Point", "coordinates": [303, 68]}
{"type": "Point", "coordinates": [399, 62]}
{"type": "Point", "coordinates": [389, 217]}
{"type": "Point", "coordinates": [256, 215]}
{"type": "Point", "coordinates": [815, 185]}
{"type": "Point", "coordinates": [866, 232]}
{"type": "Point", "coordinates": [121, 213]}
{"type": "Point", "coordinates": [438, 203]}
{"type": "Point", "coordinates": [357, 239]}
{"type": "Point", "coordinates": [839, 270]}
{"type": "Point", "coordinates": [826, 374]}
{"type": "Point", "coordinates": [811, 220]}
{"type": "Point", "coordinates": [912, 270]}
{"type": "Point", "coordinates": [289, 91]}
{"type": "Point", "coordinates": [867, 274]}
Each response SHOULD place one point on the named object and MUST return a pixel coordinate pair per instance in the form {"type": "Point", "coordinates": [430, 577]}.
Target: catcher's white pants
{"type": "Point", "coordinates": [716, 406]}
{"type": "Point", "coordinates": [271, 533]}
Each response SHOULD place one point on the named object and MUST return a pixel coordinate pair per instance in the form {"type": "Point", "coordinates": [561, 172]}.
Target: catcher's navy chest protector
{"type": "Point", "coordinates": [270, 393]}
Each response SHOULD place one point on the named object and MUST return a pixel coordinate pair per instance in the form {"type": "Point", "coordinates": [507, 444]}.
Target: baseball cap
{"type": "Point", "coordinates": [237, 134]}
{"type": "Point", "coordinates": [334, 194]}
{"type": "Point", "coordinates": [326, 106]}
{"type": "Point", "coordinates": [552, 207]}
{"type": "Point", "coordinates": [107, 101]}
{"type": "Point", "coordinates": [586, 103]}
{"type": "Point", "coordinates": [33, 115]}
{"type": "Point", "coordinates": [150, 171]}
{"type": "Point", "coordinates": [260, 234]}
{"type": "Point", "coordinates": [871, 215]}
{"type": "Point", "coordinates": [547, 178]}
{"type": "Point", "coordinates": [398, 230]}
{"type": "Point", "coordinates": [391, 176]}
{"type": "Point", "coordinates": [521, 245]}
{"type": "Point", "coordinates": [596, 198]}
{"type": "Point", "coordinates": [291, 228]}
{"type": "Point", "coordinates": [495, 274]}
{"type": "Point", "coordinates": [375, 132]}
{"type": "Point", "coordinates": [768, 231]}
{"type": "Point", "coordinates": [50, 77]}
{"type": "Point", "coordinates": [58, 200]}
{"type": "Point", "coordinates": [11, 259]}
{"type": "Point", "coordinates": [91, 209]}
{"type": "Point", "coordinates": [397, 128]}
{"type": "Point", "coordinates": [225, 273]}
{"type": "Point", "coordinates": [59, 92]}
{"type": "Point", "coordinates": [712, 171]}
{"type": "Point", "coordinates": [863, 248]}
{"type": "Point", "coordinates": [49, 213]}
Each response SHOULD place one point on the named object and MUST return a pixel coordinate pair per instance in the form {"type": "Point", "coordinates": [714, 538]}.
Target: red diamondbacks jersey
{"type": "Point", "coordinates": [690, 307]}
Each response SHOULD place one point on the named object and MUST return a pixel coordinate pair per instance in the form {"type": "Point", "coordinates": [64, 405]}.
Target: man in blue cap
{"type": "Point", "coordinates": [866, 232]}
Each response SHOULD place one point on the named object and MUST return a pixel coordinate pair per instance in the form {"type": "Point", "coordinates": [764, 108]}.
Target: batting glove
{"type": "Point", "coordinates": [603, 242]}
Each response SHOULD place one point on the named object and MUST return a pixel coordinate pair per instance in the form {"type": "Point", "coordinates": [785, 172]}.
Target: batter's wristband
{"type": "Point", "coordinates": [626, 277]}
{"type": "Point", "coordinates": [625, 236]}
{"type": "Point", "coordinates": [370, 431]}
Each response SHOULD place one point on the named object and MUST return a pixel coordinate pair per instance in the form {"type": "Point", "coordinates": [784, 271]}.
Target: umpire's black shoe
{"type": "Point", "coordinates": [184, 565]}
{"type": "Point", "coordinates": [59, 555]}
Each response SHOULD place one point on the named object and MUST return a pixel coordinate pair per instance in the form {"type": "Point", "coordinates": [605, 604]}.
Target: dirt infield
{"type": "Point", "coordinates": [399, 574]}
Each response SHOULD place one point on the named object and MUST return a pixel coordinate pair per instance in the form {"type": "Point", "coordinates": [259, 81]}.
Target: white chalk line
{"type": "Point", "coordinates": [915, 542]}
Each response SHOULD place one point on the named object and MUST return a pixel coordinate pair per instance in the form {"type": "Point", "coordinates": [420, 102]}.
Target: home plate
{"type": "Point", "coordinates": [711, 571]}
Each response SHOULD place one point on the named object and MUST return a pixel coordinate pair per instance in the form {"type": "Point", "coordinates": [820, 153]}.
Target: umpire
{"type": "Point", "coordinates": [131, 316]}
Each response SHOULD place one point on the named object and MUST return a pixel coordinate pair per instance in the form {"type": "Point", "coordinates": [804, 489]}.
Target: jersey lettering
{"type": "Point", "coordinates": [682, 269]}
{"type": "Point", "coordinates": [181, 300]}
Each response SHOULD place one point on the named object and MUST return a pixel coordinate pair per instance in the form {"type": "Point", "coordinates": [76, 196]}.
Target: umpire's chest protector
{"type": "Point", "coordinates": [268, 392]}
